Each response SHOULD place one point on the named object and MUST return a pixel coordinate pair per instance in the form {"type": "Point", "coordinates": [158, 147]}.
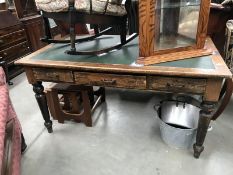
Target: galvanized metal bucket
{"type": "Point", "coordinates": [178, 123]}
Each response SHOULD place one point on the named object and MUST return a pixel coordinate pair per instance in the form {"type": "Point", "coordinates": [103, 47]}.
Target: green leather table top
{"type": "Point", "coordinates": [125, 56]}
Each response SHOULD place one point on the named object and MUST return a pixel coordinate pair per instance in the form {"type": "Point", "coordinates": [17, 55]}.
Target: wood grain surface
{"type": "Point", "coordinates": [174, 56]}
{"type": "Point", "coordinates": [149, 18]}
{"type": "Point", "coordinates": [203, 23]}
{"type": "Point", "coordinates": [146, 27]}
{"type": "Point", "coordinates": [178, 85]}
{"type": "Point", "coordinates": [110, 80]}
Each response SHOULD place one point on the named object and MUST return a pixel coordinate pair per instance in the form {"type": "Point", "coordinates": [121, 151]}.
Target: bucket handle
{"type": "Point", "coordinates": [184, 99]}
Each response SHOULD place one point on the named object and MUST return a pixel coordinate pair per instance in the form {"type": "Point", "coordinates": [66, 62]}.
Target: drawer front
{"type": "Point", "coordinates": [53, 75]}
{"type": "Point", "coordinates": [9, 39]}
{"type": "Point", "coordinates": [10, 29]}
{"type": "Point", "coordinates": [15, 52]}
{"type": "Point", "coordinates": [110, 80]}
{"type": "Point", "coordinates": [173, 84]}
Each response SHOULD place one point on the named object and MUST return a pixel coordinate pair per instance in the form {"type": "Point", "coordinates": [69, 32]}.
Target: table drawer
{"type": "Point", "coordinates": [110, 80]}
{"type": "Point", "coordinates": [53, 75]}
{"type": "Point", "coordinates": [9, 39]}
{"type": "Point", "coordinates": [174, 84]}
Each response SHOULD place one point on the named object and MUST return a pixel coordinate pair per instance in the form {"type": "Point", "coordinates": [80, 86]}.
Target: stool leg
{"type": "Point", "coordinates": [87, 109]}
{"type": "Point", "coordinates": [91, 96]}
{"type": "Point", "coordinates": [75, 103]}
{"type": "Point", "coordinates": [66, 102]}
{"type": "Point", "coordinates": [57, 106]}
{"type": "Point", "coordinates": [50, 103]}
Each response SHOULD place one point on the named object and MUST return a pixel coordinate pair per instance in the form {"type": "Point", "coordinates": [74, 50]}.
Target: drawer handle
{"type": "Point", "coordinates": [175, 85]}
{"type": "Point", "coordinates": [52, 75]}
{"type": "Point", "coordinates": [107, 81]}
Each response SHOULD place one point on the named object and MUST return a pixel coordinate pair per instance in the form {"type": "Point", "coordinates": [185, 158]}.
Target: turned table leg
{"type": "Point", "coordinates": [203, 125]}
{"type": "Point", "coordinates": [42, 102]}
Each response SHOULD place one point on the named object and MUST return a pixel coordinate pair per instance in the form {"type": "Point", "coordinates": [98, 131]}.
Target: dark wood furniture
{"type": "Point", "coordinates": [75, 102]}
{"type": "Point", "coordinates": [3, 6]}
{"type": "Point", "coordinates": [34, 28]}
{"type": "Point", "coordinates": [32, 21]}
{"type": "Point", "coordinates": [74, 17]}
{"type": "Point", "coordinates": [13, 42]}
{"type": "Point", "coordinates": [202, 76]}
{"type": "Point", "coordinates": [219, 15]}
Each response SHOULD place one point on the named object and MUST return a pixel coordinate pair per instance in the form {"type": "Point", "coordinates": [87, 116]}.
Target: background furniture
{"type": "Point", "coordinates": [13, 43]}
{"type": "Point", "coordinates": [75, 102]}
{"type": "Point", "coordinates": [219, 15]}
{"type": "Point", "coordinates": [86, 12]}
{"type": "Point", "coordinates": [202, 76]}
{"type": "Point", "coordinates": [3, 6]}
{"type": "Point", "coordinates": [32, 21]}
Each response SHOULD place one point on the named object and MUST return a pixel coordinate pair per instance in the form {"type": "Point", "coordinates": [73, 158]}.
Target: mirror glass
{"type": "Point", "coordinates": [176, 23]}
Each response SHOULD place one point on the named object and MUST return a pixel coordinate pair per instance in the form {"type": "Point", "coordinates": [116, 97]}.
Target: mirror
{"type": "Point", "coordinates": [176, 23]}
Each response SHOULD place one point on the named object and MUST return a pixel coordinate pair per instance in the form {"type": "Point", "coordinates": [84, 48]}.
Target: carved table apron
{"type": "Point", "coordinates": [202, 75]}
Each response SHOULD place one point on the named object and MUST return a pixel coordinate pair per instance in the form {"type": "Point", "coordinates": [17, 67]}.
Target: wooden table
{"type": "Point", "coordinates": [203, 75]}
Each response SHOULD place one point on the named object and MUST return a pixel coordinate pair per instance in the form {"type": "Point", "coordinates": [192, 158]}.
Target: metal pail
{"type": "Point", "coordinates": [178, 123]}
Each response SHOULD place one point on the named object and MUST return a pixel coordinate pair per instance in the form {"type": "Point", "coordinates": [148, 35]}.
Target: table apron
{"type": "Point", "coordinates": [173, 84]}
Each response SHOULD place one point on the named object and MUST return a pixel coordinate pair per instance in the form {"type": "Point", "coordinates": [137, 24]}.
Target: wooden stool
{"type": "Point", "coordinates": [73, 102]}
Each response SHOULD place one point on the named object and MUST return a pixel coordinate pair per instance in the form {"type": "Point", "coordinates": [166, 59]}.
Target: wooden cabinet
{"type": "Point", "coordinates": [219, 15]}
{"type": "Point", "coordinates": [13, 42]}
{"type": "Point", "coordinates": [34, 29]}
{"type": "Point", "coordinates": [32, 21]}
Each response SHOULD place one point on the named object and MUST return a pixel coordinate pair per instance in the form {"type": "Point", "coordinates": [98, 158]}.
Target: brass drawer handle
{"type": "Point", "coordinates": [175, 85]}
{"type": "Point", "coordinates": [109, 81]}
{"type": "Point", "coordinates": [52, 75]}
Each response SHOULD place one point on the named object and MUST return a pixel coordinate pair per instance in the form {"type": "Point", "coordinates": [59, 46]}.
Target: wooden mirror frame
{"type": "Point", "coordinates": [147, 29]}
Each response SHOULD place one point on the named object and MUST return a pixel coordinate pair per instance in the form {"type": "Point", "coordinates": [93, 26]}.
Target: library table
{"type": "Point", "coordinates": [202, 75]}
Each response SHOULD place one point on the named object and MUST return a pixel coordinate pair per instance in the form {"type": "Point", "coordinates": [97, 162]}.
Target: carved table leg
{"type": "Point", "coordinates": [42, 102]}
{"type": "Point", "coordinates": [203, 124]}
